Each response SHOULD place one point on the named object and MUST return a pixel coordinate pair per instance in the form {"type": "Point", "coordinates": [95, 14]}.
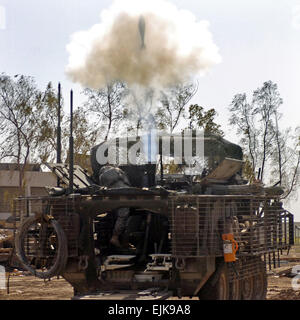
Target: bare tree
{"type": "Point", "coordinates": [106, 104]}
{"type": "Point", "coordinates": [266, 101]}
{"type": "Point", "coordinates": [242, 118]}
{"type": "Point", "coordinates": [18, 96]}
{"type": "Point", "coordinates": [266, 145]}
{"type": "Point", "coordinates": [286, 160]}
{"type": "Point", "coordinates": [44, 121]}
{"type": "Point", "coordinates": [174, 101]}
{"type": "Point", "coordinates": [84, 137]}
{"type": "Point", "coordinates": [132, 121]}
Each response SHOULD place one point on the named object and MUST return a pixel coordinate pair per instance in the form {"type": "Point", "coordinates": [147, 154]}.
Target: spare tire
{"type": "Point", "coordinates": [42, 247]}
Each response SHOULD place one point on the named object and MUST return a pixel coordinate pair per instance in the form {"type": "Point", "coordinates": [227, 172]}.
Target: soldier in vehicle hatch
{"type": "Point", "coordinates": [112, 177]}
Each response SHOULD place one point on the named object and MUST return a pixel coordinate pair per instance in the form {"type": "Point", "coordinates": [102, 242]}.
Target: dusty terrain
{"type": "Point", "coordinates": [26, 287]}
{"type": "Point", "coordinates": [280, 279]}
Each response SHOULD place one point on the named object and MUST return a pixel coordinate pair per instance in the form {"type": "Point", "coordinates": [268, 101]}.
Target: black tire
{"type": "Point", "coordinates": [260, 283]}
{"type": "Point", "coordinates": [247, 288]}
{"type": "Point", "coordinates": [61, 257]}
{"type": "Point", "coordinates": [217, 287]}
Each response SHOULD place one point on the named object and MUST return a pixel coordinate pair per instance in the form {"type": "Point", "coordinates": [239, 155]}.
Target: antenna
{"type": "Point", "coordinates": [71, 147]}
{"type": "Point", "coordinates": [58, 154]}
{"type": "Point", "coordinates": [259, 172]}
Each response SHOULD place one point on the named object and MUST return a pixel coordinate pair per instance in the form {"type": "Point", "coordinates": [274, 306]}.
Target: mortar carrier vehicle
{"type": "Point", "coordinates": [210, 235]}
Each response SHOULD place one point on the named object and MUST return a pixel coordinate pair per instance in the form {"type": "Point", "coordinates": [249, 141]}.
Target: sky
{"type": "Point", "coordinates": [258, 41]}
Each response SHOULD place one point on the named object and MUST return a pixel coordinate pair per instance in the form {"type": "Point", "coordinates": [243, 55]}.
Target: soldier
{"type": "Point", "coordinates": [113, 177]}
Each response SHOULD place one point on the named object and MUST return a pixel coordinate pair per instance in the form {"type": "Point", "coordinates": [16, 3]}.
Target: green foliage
{"type": "Point", "coordinates": [84, 135]}
{"type": "Point", "coordinates": [44, 120]}
{"type": "Point", "coordinates": [201, 119]}
{"type": "Point", "coordinates": [248, 171]}
{"type": "Point", "coordinates": [18, 97]}
{"type": "Point", "coordinates": [107, 106]}
{"type": "Point", "coordinates": [173, 102]}
{"type": "Point", "coordinates": [266, 146]}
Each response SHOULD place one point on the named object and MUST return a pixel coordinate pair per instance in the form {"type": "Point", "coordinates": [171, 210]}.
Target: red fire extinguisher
{"type": "Point", "coordinates": [230, 247]}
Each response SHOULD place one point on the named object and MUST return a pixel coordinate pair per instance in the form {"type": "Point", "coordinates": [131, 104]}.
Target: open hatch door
{"type": "Point", "coordinates": [61, 170]}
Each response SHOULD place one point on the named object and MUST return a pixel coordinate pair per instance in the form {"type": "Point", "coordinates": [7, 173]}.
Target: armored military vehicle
{"type": "Point", "coordinates": [199, 233]}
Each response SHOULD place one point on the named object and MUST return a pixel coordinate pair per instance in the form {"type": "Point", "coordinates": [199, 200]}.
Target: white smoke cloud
{"type": "Point", "coordinates": [178, 47]}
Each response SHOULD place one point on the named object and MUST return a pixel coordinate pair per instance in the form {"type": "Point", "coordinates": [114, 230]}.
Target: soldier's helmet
{"type": "Point", "coordinates": [113, 177]}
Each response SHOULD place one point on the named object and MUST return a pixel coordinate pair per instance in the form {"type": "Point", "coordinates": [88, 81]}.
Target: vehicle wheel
{"type": "Point", "coordinates": [42, 247]}
{"type": "Point", "coordinates": [235, 290]}
{"type": "Point", "coordinates": [260, 284]}
{"type": "Point", "coordinates": [217, 287]}
{"type": "Point", "coordinates": [247, 288]}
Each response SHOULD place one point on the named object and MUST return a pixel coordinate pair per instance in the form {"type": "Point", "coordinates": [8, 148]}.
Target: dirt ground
{"type": "Point", "coordinates": [26, 287]}
{"type": "Point", "coordinates": [280, 279]}
{"type": "Point", "coordinates": [280, 288]}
